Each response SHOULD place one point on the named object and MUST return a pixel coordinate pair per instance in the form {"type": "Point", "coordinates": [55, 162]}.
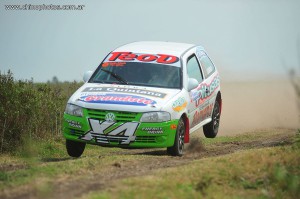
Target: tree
{"type": "Point", "coordinates": [55, 80]}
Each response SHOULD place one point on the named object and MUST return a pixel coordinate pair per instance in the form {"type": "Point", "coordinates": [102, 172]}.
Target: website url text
{"type": "Point", "coordinates": [43, 7]}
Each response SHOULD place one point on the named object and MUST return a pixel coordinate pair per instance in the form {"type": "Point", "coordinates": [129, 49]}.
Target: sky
{"type": "Point", "coordinates": [246, 39]}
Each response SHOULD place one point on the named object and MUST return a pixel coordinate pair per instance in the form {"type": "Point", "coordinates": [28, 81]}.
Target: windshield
{"type": "Point", "coordinates": [138, 73]}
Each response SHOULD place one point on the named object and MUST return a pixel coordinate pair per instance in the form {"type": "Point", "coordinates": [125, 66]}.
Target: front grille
{"type": "Point", "coordinates": [106, 139]}
{"type": "Point", "coordinates": [145, 139]}
{"type": "Point", "coordinates": [76, 132]}
{"type": "Point", "coordinates": [121, 116]}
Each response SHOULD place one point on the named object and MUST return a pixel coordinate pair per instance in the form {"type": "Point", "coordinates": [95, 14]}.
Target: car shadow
{"type": "Point", "coordinates": [153, 153]}
{"type": "Point", "coordinates": [56, 159]}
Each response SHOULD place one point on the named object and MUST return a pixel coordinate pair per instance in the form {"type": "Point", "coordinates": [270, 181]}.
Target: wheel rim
{"type": "Point", "coordinates": [181, 136]}
{"type": "Point", "coordinates": [216, 117]}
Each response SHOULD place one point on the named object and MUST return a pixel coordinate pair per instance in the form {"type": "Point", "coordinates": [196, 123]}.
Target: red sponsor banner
{"type": "Point", "coordinates": [129, 56]}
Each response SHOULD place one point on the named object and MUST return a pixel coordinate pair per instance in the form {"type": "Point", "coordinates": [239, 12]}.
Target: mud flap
{"type": "Point", "coordinates": [187, 130]}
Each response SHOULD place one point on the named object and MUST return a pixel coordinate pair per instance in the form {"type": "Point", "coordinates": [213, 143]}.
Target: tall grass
{"type": "Point", "coordinates": [30, 110]}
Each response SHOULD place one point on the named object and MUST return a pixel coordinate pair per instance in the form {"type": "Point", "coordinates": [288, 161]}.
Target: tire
{"type": "Point", "coordinates": [75, 149]}
{"type": "Point", "coordinates": [211, 129]}
{"type": "Point", "coordinates": [177, 148]}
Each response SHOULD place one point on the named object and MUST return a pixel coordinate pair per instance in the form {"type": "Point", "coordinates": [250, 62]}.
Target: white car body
{"type": "Point", "coordinates": [194, 101]}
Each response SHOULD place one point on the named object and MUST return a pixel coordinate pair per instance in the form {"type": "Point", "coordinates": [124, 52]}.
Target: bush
{"type": "Point", "coordinates": [30, 111]}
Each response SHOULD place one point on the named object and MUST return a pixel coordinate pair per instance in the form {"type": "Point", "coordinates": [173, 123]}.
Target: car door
{"type": "Point", "coordinates": [208, 87]}
{"type": "Point", "coordinates": [194, 71]}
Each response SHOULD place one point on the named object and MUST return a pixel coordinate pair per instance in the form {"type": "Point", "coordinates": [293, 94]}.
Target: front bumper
{"type": "Point", "coordinates": [93, 129]}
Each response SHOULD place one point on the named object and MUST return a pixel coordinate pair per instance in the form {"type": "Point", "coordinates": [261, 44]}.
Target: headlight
{"type": "Point", "coordinates": [155, 117]}
{"type": "Point", "coordinates": [72, 109]}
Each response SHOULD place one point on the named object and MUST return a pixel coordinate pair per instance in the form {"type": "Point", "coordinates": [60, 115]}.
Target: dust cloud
{"type": "Point", "coordinates": [250, 106]}
{"type": "Point", "coordinates": [195, 146]}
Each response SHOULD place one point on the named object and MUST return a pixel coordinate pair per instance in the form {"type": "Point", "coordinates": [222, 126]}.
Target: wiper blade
{"type": "Point", "coordinates": [118, 77]}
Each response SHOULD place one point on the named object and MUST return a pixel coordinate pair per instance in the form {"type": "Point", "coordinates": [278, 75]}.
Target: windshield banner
{"type": "Point", "coordinates": [122, 57]}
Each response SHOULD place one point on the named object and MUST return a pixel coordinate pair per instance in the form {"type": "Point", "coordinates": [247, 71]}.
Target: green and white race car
{"type": "Point", "coordinates": [145, 94]}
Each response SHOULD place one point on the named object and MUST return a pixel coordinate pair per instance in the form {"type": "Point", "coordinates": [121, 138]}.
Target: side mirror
{"type": "Point", "coordinates": [87, 75]}
{"type": "Point", "coordinates": [192, 84]}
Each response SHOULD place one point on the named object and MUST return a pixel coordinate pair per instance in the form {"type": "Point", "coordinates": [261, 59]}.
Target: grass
{"type": "Point", "coordinates": [272, 172]}
{"type": "Point", "coordinates": [257, 173]}
{"type": "Point", "coordinates": [250, 136]}
{"type": "Point", "coordinates": [38, 164]}
{"type": "Point", "coordinates": [45, 160]}
{"type": "Point", "coordinates": [31, 110]}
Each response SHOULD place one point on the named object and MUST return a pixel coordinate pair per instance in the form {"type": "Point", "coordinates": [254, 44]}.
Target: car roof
{"type": "Point", "coordinates": [156, 47]}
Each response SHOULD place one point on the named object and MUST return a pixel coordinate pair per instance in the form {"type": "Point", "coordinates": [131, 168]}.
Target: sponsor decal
{"type": "Point", "coordinates": [196, 119]}
{"type": "Point", "coordinates": [206, 112]}
{"type": "Point", "coordinates": [74, 124]}
{"type": "Point", "coordinates": [117, 64]}
{"type": "Point", "coordinates": [202, 114]}
{"type": "Point", "coordinates": [173, 126]}
{"type": "Point", "coordinates": [179, 104]}
{"type": "Point", "coordinates": [105, 132]}
{"type": "Point", "coordinates": [153, 130]}
{"type": "Point", "coordinates": [138, 57]}
{"type": "Point", "coordinates": [125, 90]}
{"type": "Point", "coordinates": [203, 91]}
{"type": "Point", "coordinates": [122, 99]}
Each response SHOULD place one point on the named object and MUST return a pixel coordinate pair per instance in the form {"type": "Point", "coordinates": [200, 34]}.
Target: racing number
{"type": "Point", "coordinates": [125, 129]}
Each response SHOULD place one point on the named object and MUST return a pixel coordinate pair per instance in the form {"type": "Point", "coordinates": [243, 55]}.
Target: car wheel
{"type": "Point", "coordinates": [75, 149]}
{"type": "Point", "coordinates": [177, 148]}
{"type": "Point", "coordinates": [211, 129]}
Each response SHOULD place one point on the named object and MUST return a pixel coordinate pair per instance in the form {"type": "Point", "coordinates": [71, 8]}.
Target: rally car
{"type": "Point", "coordinates": [145, 94]}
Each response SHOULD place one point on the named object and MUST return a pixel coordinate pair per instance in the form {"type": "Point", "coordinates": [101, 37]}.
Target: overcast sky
{"type": "Point", "coordinates": [245, 38]}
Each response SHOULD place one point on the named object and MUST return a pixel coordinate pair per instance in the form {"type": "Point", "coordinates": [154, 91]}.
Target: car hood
{"type": "Point", "coordinates": [122, 97]}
